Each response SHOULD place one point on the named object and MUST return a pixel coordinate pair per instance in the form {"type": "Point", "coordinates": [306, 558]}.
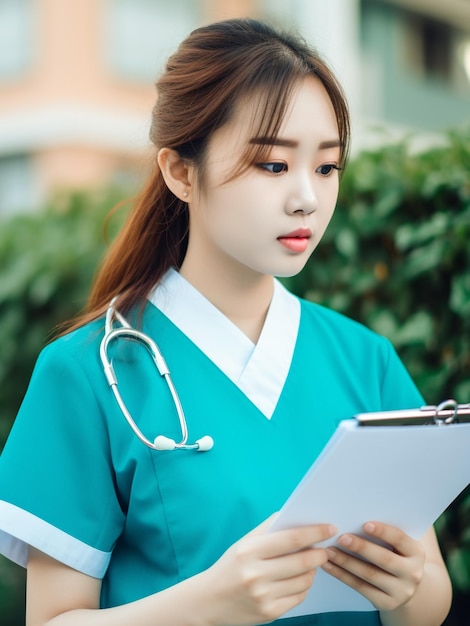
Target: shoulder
{"type": "Point", "coordinates": [366, 359]}
{"type": "Point", "coordinates": [76, 356]}
{"type": "Point", "coordinates": [340, 325]}
{"type": "Point", "coordinates": [83, 344]}
{"type": "Point", "coordinates": [79, 348]}
{"type": "Point", "coordinates": [340, 339]}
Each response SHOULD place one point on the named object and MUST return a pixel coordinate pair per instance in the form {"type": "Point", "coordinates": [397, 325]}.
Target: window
{"type": "Point", "coordinates": [16, 36]}
{"type": "Point", "coordinates": [436, 48]}
{"type": "Point", "coordinates": [437, 51]}
{"type": "Point", "coordinates": [141, 34]}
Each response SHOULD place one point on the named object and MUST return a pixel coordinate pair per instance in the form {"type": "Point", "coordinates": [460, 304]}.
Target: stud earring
{"type": "Point", "coordinates": [185, 194]}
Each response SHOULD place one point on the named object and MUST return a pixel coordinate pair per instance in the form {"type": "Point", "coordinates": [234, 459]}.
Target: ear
{"type": "Point", "coordinates": [177, 173]}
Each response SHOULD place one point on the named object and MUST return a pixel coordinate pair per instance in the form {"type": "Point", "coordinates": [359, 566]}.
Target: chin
{"type": "Point", "coordinates": [288, 273]}
{"type": "Point", "coordinates": [294, 267]}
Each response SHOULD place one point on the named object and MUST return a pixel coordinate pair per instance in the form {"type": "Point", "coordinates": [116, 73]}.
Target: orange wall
{"type": "Point", "coordinates": [69, 64]}
{"type": "Point", "coordinates": [70, 70]}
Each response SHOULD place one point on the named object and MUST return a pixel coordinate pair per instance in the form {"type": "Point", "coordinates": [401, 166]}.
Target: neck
{"type": "Point", "coordinates": [244, 300]}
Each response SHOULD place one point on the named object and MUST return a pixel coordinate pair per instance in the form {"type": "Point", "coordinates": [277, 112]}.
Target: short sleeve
{"type": "Point", "coordinates": [57, 488]}
{"type": "Point", "coordinates": [398, 391]}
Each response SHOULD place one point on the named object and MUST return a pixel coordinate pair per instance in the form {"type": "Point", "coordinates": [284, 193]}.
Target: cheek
{"type": "Point", "coordinates": [233, 208]}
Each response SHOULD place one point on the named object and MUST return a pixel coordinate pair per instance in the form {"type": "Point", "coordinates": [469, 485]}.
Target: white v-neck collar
{"type": "Point", "coordinates": [258, 370]}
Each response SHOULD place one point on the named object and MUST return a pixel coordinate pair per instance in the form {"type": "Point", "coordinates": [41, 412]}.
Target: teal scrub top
{"type": "Point", "coordinates": [78, 485]}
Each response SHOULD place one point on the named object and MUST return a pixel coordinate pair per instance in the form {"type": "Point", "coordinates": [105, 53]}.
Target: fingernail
{"type": "Point", "coordinates": [332, 530]}
{"type": "Point", "coordinates": [345, 540]}
{"type": "Point", "coordinates": [369, 527]}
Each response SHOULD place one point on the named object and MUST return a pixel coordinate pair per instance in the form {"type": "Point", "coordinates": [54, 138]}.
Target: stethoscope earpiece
{"type": "Point", "coordinates": [125, 331]}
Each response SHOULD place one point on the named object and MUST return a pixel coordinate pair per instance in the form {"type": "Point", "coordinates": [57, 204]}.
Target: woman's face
{"type": "Point", "coordinates": [269, 219]}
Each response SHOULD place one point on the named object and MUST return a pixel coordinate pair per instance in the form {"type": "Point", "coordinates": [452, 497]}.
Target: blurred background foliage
{"type": "Point", "coordinates": [395, 257]}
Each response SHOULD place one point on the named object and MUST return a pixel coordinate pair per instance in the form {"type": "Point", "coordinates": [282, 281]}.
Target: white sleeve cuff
{"type": "Point", "coordinates": [20, 529]}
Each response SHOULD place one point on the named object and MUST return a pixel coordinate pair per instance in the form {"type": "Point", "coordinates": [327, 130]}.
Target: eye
{"type": "Point", "coordinates": [273, 168]}
{"type": "Point", "coordinates": [327, 169]}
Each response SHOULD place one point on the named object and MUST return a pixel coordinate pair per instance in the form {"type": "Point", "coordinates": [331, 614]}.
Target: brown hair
{"type": "Point", "coordinates": [213, 68]}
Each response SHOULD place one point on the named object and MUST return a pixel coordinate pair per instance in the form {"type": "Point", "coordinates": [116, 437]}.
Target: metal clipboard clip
{"type": "Point", "coordinates": [445, 413]}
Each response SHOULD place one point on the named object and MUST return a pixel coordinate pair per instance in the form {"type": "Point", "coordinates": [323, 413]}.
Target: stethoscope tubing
{"type": "Point", "coordinates": [125, 331]}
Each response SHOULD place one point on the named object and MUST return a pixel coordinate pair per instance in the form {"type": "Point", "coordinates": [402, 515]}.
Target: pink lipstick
{"type": "Point", "coordinates": [296, 241]}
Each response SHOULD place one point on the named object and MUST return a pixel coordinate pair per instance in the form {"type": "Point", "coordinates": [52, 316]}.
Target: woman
{"type": "Point", "coordinates": [250, 130]}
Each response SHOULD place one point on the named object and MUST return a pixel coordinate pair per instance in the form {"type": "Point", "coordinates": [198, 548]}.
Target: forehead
{"type": "Point", "coordinates": [309, 120]}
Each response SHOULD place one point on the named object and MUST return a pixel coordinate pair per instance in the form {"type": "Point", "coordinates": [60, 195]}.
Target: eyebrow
{"type": "Point", "coordinates": [291, 143]}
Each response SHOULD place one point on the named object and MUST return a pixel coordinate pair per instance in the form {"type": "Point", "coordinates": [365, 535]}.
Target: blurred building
{"type": "Point", "coordinates": [76, 78]}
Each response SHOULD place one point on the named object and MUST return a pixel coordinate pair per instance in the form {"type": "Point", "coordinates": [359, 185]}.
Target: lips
{"type": "Point", "coordinates": [297, 240]}
{"type": "Point", "coordinates": [300, 233]}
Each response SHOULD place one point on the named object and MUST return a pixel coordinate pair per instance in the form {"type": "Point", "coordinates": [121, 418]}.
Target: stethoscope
{"type": "Point", "coordinates": [125, 331]}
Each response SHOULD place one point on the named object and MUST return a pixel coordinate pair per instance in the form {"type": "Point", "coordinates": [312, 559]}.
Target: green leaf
{"type": "Point", "coordinates": [460, 295]}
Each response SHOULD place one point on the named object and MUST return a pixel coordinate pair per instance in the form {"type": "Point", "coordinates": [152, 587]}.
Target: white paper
{"type": "Point", "coordinates": [401, 475]}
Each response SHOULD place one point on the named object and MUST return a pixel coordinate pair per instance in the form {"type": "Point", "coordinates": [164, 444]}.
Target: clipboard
{"type": "Point", "coordinates": [403, 468]}
{"type": "Point", "coordinates": [448, 412]}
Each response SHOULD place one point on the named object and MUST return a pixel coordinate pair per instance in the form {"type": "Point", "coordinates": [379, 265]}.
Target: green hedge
{"type": "Point", "coordinates": [47, 261]}
{"type": "Point", "coordinates": [396, 257]}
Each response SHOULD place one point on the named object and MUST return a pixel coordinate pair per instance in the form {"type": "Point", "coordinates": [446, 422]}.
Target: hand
{"type": "Point", "coordinates": [388, 577]}
{"type": "Point", "coordinates": [262, 576]}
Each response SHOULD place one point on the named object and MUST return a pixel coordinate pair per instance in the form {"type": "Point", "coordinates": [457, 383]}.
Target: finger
{"type": "Point", "coordinates": [358, 573]}
{"type": "Point", "coordinates": [401, 542]}
{"type": "Point", "coordinates": [379, 597]}
{"type": "Point", "coordinates": [289, 590]}
{"type": "Point", "coordinates": [284, 542]}
{"type": "Point", "coordinates": [295, 564]}
{"type": "Point", "coordinates": [377, 555]}
{"type": "Point", "coordinates": [294, 585]}
{"type": "Point", "coordinates": [383, 589]}
{"type": "Point", "coordinates": [285, 595]}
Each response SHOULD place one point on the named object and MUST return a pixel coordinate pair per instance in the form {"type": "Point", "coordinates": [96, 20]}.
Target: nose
{"type": "Point", "coordinates": [302, 199]}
